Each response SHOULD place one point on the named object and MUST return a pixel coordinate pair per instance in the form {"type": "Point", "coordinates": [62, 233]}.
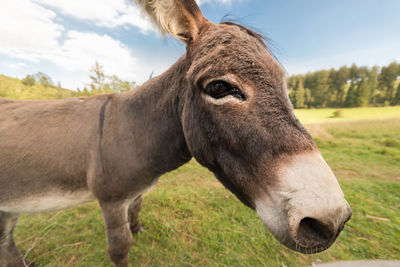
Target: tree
{"type": "Point", "coordinates": [85, 92]}
{"type": "Point", "coordinates": [318, 83]}
{"type": "Point", "coordinates": [307, 98]}
{"type": "Point", "coordinates": [332, 80]}
{"type": "Point", "coordinates": [375, 93]}
{"type": "Point", "coordinates": [387, 80]}
{"type": "Point", "coordinates": [102, 83]}
{"type": "Point", "coordinates": [98, 77]}
{"type": "Point", "coordinates": [28, 80]}
{"type": "Point", "coordinates": [363, 90]}
{"type": "Point", "coordinates": [396, 100]}
{"type": "Point", "coordinates": [299, 94]}
{"type": "Point", "coordinates": [354, 78]}
{"type": "Point", "coordinates": [44, 79]}
{"type": "Point", "coordinates": [351, 98]}
{"type": "Point", "coordinates": [340, 83]}
{"type": "Point", "coordinates": [117, 85]}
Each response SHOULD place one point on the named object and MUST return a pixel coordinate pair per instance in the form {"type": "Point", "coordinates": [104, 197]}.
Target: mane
{"type": "Point", "coordinates": [261, 38]}
{"type": "Point", "coordinates": [265, 41]}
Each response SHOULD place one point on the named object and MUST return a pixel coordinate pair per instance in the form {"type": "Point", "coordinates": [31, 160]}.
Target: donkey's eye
{"type": "Point", "coordinates": [219, 89]}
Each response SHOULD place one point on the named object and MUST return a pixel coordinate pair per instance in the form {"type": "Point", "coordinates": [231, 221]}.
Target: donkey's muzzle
{"type": "Point", "coordinates": [306, 210]}
{"type": "Point", "coordinates": [314, 235]}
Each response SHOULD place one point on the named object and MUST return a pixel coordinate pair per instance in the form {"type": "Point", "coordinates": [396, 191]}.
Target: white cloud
{"type": "Point", "coordinates": [107, 13]}
{"type": "Point", "coordinates": [17, 65]}
{"type": "Point", "coordinates": [27, 29]}
{"type": "Point", "coordinates": [81, 50]}
{"type": "Point", "coordinates": [29, 32]}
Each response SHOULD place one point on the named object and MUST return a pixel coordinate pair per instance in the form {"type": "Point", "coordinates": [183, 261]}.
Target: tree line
{"type": "Point", "coordinates": [41, 78]}
{"type": "Point", "coordinates": [346, 87]}
{"type": "Point", "coordinates": [100, 82]}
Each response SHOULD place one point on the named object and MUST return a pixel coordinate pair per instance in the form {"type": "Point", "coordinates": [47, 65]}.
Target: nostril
{"type": "Point", "coordinates": [312, 232]}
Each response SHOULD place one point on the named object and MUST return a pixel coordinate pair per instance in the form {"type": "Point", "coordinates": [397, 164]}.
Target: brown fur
{"type": "Point", "coordinates": [117, 145]}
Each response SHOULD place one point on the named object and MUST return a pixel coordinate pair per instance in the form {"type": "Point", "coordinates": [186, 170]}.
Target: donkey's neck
{"type": "Point", "coordinates": [155, 110]}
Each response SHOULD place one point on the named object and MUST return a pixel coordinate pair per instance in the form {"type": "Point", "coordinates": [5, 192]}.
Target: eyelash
{"type": "Point", "coordinates": [224, 89]}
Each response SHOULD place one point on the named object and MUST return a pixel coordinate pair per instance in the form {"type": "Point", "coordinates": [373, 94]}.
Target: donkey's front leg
{"type": "Point", "coordinates": [119, 235]}
{"type": "Point", "coordinates": [9, 254]}
{"type": "Point", "coordinates": [133, 215]}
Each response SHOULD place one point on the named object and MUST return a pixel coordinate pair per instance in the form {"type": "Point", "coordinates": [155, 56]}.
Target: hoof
{"type": "Point", "coordinates": [137, 228]}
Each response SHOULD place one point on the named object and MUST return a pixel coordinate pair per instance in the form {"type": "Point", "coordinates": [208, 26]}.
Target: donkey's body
{"type": "Point", "coordinates": [59, 154]}
{"type": "Point", "coordinates": [44, 152]}
{"type": "Point", "coordinates": [225, 103]}
{"type": "Point", "coordinates": [110, 147]}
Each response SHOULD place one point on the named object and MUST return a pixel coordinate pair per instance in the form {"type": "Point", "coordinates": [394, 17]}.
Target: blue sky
{"type": "Point", "coordinates": [64, 38]}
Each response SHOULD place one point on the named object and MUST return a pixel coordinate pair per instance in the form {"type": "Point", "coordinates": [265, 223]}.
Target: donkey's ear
{"type": "Point", "coordinates": [181, 18]}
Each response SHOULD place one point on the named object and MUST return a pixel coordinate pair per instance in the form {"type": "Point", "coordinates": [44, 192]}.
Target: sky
{"type": "Point", "coordinates": [64, 38]}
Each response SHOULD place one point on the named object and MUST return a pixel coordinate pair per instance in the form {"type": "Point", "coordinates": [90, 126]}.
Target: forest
{"type": "Point", "coordinates": [346, 87]}
{"type": "Point", "coordinates": [352, 86]}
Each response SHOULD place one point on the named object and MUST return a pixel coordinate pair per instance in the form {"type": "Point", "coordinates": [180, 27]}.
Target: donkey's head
{"type": "Point", "coordinates": [238, 121]}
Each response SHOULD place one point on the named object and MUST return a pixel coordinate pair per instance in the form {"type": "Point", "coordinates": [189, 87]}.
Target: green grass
{"type": "Point", "coordinates": [192, 220]}
{"type": "Point", "coordinates": [352, 114]}
{"type": "Point", "coordinates": [14, 89]}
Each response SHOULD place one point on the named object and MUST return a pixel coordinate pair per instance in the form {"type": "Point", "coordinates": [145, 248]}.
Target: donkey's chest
{"type": "Point", "coordinates": [46, 202]}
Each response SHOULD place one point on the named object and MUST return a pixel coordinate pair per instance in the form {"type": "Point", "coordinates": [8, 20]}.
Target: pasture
{"type": "Point", "coordinates": [191, 220]}
{"type": "Point", "coordinates": [15, 89]}
{"type": "Point", "coordinates": [308, 116]}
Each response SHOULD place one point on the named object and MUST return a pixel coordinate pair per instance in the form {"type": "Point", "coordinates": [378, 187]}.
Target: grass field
{"type": "Point", "coordinates": [14, 89]}
{"type": "Point", "coordinates": [192, 220]}
{"type": "Point", "coordinates": [348, 114]}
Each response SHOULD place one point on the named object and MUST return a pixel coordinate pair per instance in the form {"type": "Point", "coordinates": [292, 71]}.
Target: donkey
{"type": "Point", "coordinates": [224, 102]}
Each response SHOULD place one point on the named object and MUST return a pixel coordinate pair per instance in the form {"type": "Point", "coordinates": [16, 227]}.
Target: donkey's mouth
{"type": "Point", "coordinates": [307, 250]}
{"type": "Point", "coordinates": [309, 246]}
{"type": "Point", "coordinates": [307, 236]}
{"type": "Point", "coordinates": [244, 198]}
